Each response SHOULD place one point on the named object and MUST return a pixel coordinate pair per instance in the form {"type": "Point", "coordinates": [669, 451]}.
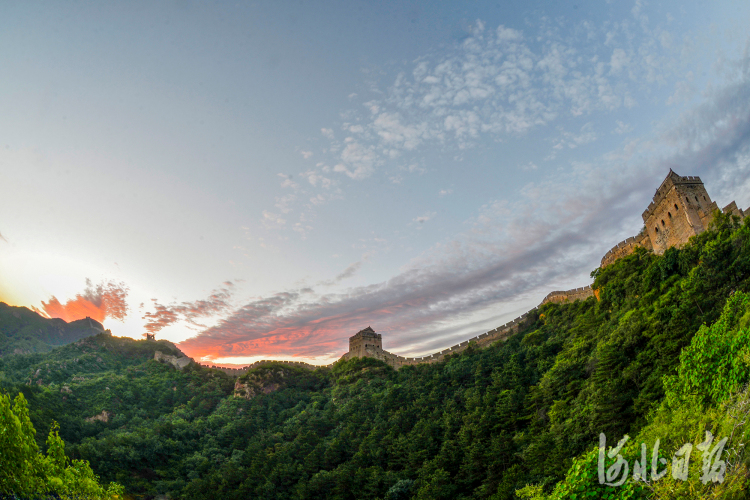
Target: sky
{"type": "Point", "coordinates": [261, 180]}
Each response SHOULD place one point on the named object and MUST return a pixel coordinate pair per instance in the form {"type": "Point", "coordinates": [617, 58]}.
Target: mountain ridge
{"type": "Point", "coordinates": [25, 331]}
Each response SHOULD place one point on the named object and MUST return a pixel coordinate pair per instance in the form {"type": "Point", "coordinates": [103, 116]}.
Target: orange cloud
{"type": "Point", "coordinates": [107, 300]}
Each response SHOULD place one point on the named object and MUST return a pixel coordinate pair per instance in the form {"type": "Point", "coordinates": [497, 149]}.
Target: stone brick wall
{"type": "Point", "coordinates": [581, 293]}
{"type": "Point", "coordinates": [625, 248]}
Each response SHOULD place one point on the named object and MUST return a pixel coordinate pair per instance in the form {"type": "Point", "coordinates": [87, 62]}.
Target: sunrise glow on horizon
{"type": "Point", "coordinates": [251, 184]}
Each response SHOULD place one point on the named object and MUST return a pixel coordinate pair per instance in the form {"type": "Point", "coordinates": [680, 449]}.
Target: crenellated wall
{"type": "Point", "coordinates": [581, 293]}
{"type": "Point", "coordinates": [625, 248]}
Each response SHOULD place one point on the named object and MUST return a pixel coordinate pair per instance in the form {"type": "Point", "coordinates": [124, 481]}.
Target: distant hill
{"type": "Point", "coordinates": [23, 331]}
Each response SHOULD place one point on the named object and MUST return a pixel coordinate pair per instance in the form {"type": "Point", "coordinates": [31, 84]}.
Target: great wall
{"type": "Point", "coordinates": [693, 211]}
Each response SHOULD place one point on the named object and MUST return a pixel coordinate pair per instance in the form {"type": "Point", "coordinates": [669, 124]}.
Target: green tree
{"type": "Point", "coordinates": [26, 472]}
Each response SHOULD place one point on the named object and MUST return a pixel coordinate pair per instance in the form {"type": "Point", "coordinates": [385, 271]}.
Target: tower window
{"type": "Point", "coordinates": [656, 228]}
{"type": "Point", "coordinates": [669, 214]}
{"type": "Point", "coordinates": [696, 199]}
{"type": "Point", "coordinates": [662, 222]}
{"type": "Point", "coordinates": [676, 207]}
{"type": "Point", "coordinates": [687, 200]}
{"type": "Point", "coordinates": [704, 198]}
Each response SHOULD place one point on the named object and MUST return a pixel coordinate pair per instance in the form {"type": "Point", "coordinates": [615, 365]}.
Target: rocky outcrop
{"type": "Point", "coordinates": [262, 381]}
{"type": "Point", "coordinates": [105, 416]}
{"type": "Point", "coordinates": [178, 362]}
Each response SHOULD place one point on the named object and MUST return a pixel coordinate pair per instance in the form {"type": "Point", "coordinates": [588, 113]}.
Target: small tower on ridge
{"type": "Point", "coordinates": [363, 339]}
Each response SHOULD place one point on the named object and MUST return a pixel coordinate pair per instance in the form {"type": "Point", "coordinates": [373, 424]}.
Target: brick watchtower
{"type": "Point", "coordinates": [359, 342]}
{"type": "Point", "coordinates": [681, 208]}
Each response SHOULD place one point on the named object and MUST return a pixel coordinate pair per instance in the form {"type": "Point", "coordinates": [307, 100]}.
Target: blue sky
{"type": "Point", "coordinates": [263, 181]}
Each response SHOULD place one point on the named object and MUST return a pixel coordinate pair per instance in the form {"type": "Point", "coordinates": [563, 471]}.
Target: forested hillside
{"type": "Point", "coordinates": [662, 353]}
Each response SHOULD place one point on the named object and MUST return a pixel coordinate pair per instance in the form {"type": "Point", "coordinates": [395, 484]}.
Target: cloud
{"type": "Point", "coordinates": [283, 202]}
{"type": "Point", "coordinates": [424, 218]}
{"type": "Point", "coordinates": [106, 300]}
{"type": "Point", "coordinates": [618, 61]}
{"type": "Point", "coordinates": [287, 182]}
{"type": "Point", "coordinates": [569, 140]}
{"type": "Point", "coordinates": [500, 84]}
{"type": "Point", "coordinates": [271, 219]}
{"type": "Point", "coordinates": [623, 128]}
{"type": "Point", "coordinates": [316, 179]}
{"type": "Point", "coordinates": [357, 160]}
{"type": "Point", "coordinates": [444, 192]}
{"type": "Point", "coordinates": [189, 312]}
{"type": "Point", "coordinates": [497, 85]}
{"type": "Point", "coordinates": [347, 273]}
{"type": "Point", "coordinates": [306, 154]}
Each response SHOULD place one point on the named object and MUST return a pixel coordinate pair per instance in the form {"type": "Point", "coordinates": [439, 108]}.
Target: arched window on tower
{"type": "Point", "coordinates": [669, 214]}
{"type": "Point", "coordinates": [662, 222]}
{"type": "Point", "coordinates": [656, 228]}
{"type": "Point", "coordinates": [696, 199]}
{"type": "Point", "coordinates": [676, 208]}
{"type": "Point", "coordinates": [687, 200]}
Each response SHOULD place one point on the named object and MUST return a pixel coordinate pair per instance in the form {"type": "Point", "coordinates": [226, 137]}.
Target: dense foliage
{"type": "Point", "coordinates": [524, 414]}
{"type": "Point", "coordinates": [27, 473]}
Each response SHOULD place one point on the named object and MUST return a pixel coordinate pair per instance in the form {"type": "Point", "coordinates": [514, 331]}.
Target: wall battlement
{"type": "Point", "coordinates": [626, 247]}
{"type": "Point", "coordinates": [580, 293]}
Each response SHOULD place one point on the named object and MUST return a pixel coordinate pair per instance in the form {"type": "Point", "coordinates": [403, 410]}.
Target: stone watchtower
{"type": "Point", "coordinates": [363, 339]}
{"type": "Point", "coordinates": [681, 208]}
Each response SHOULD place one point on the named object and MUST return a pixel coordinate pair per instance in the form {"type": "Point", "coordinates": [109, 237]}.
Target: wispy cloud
{"type": "Point", "coordinates": [424, 218]}
{"type": "Point", "coordinates": [189, 312]}
{"type": "Point", "coordinates": [497, 84]}
{"type": "Point", "coordinates": [271, 219]}
{"type": "Point", "coordinates": [623, 128]}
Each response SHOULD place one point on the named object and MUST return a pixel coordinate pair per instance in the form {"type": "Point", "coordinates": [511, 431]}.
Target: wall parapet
{"type": "Point", "coordinates": [579, 293]}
